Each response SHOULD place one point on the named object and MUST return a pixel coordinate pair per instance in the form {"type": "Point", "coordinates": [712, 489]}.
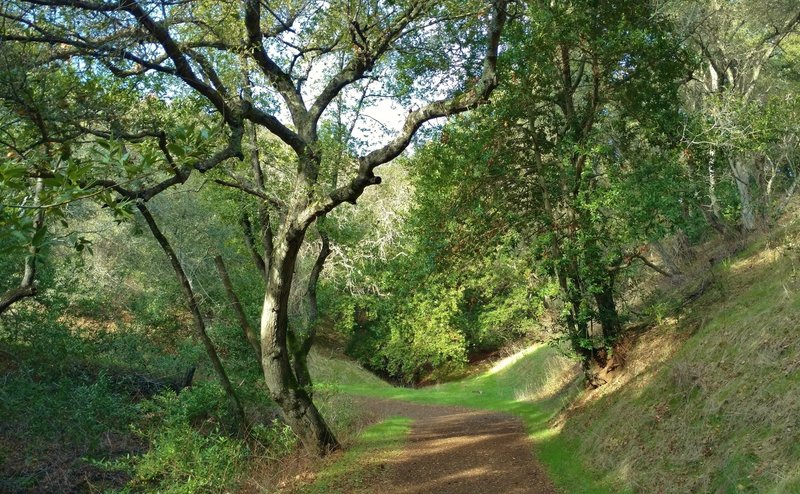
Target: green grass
{"type": "Point", "coordinates": [505, 388]}
{"type": "Point", "coordinates": [352, 470]}
{"type": "Point", "coordinates": [329, 371]}
{"type": "Point", "coordinates": [721, 413]}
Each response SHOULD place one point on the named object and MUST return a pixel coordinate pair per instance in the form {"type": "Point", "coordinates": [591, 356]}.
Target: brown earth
{"type": "Point", "coordinates": [454, 450]}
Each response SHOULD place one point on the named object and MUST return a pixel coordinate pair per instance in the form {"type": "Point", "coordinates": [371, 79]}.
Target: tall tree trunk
{"type": "Point", "coordinates": [194, 308]}
{"type": "Point", "coordinates": [295, 402]}
{"type": "Point", "coordinates": [742, 175]}
{"type": "Point", "coordinates": [300, 341]}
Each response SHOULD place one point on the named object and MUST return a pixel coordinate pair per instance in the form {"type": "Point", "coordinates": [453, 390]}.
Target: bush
{"type": "Point", "coordinates": [182, 459]}
{"type": "Point", "coordinates": [424, 334]}
{"type": "Point", "coordinates": [189, 450]}
{"type": "Point", "coordinates": [275, 440]}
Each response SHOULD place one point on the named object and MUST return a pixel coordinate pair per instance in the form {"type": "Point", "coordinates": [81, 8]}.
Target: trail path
{"type": "Point", "coordinates": [454, 450]}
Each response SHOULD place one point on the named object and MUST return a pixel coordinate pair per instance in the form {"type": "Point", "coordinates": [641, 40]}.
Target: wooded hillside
{"type": "Point", "coordinates": [222, 221]}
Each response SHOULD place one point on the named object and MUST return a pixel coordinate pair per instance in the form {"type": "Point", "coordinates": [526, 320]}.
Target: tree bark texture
{"type": "Point", "coordinates": [302, 340]}
{"type": "Point", "coordinates": [298, 409]}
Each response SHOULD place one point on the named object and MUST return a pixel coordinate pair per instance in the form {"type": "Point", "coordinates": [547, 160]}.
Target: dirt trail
{"type": "Point", "coordinates": [454, 450]}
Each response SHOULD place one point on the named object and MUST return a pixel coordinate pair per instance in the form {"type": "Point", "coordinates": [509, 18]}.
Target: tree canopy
{"type": "Point", "coordinates": [535, 159]}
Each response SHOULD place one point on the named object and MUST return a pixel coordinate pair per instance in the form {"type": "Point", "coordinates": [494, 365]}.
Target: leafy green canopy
{"type": "Point", "coordinates": [572, 170]}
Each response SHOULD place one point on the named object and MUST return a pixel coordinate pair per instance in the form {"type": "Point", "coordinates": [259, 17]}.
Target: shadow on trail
{"type": "Point", "coordinates": [503, 389]}
{"type": "Point", "coordinates": [455, 450]}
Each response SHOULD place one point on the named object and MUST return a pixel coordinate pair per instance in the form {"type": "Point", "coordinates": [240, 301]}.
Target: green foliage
{"type": "Point", "coordinates": [529, 192]}
{"type": "Point", "coordinates": [183, 460]}
{"type": "Point", "coordinates": [77, 409]}
{"type": "Point", "coordinates": [72, 391]}
{"type": "Point", "coordinates": [739, 122]}
{"type": "Point", "coordinates": [341, 310]}
{"type": "Point", "coordinates": [424, 334]}
{"type": "Point", "coordinates": [545, 198]}
{"type": "Point", "coordinates": [54, 419]}
{"type": "Point", "coordinates": [188, 453]}
{"type": "Point", "coordinates": [432, 320]}
{"type": "Point", "coordinates": [434, 300]}
{"type": "Point", "coordinates": [276, 439]}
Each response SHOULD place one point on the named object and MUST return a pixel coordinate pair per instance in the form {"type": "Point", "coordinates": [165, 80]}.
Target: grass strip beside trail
{"type": "Point", "coordinates": [354, 469]}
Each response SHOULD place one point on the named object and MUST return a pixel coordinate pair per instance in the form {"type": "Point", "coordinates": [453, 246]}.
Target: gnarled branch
{"type": "Point", "coordinates": [470, 99]}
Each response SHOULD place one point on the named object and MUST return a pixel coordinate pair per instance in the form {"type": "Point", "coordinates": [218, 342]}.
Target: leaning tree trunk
{"type": "Point", "coordinates": [298, 409]}
{"type": "Point", "coordinates": [248, 332]}
{"type": "Point", "coordinates": [194, 308]}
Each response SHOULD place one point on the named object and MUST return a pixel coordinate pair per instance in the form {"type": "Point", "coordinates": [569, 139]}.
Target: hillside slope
{"type": "Point", "coordinates": [710, 398]}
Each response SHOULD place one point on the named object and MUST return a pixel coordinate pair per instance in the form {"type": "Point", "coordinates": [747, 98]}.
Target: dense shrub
{"type": "Point", "coordinates": [189, 450]}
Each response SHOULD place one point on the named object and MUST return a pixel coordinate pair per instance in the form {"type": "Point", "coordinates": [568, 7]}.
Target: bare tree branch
{"type": "Point", "coordinates": [470, 99]}
{"type": "Point", "coordinates": [652, 266]}
{"type": "Point", "coordinates": [282, 81]}
{"type": "Point", "coordinates": [365, 58]}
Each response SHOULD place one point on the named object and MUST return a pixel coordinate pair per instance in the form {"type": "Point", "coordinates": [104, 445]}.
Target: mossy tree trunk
{"type": "Point", "coordinates": [285, 386]}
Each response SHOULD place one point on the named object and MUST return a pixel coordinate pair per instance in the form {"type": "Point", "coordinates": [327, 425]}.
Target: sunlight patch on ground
{"type": "Point", "coordinates": [759, 260]}
{"type": "Point", "coordinates": [545, 434]}
{"type": "Point", "coordinates": [558, 372]}
{"type": "Point", "coordinates": [512, 359]}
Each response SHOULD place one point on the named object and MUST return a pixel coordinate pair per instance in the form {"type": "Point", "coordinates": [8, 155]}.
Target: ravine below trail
{"type": "Point", "coordinates": [454, 450]}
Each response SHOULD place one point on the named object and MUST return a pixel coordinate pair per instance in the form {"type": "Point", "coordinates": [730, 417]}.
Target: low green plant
{"type": "Point", "coordinates": [275, 439]}
{"type": "Point", "coordinates": [185, 460]}
{"type": "Point", "coordinates": [67, 408]}
{"type": "Point", "coordinates": [190, 450]}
